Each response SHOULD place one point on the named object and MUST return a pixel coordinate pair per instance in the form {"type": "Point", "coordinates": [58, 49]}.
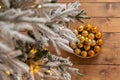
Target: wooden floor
{"type": "Point", "coordinates": [106, 66]}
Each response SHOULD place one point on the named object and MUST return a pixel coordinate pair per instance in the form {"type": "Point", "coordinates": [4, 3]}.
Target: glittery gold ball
{"type": "Point", "coordinates": [88, 27]}
{"type": "Point", "coordinates": [93, 42]}
{"type": "Point", "coordinates": [91, 53]}
{"type": "Point", "coordinates": [82, 39]}
{"type": "Point", "coordinates": [84, 53]}
{"type": "Point", "coordinates": [98, 35]}
{"type": "Point", "coordinates": [91, 36]}
{"type": "Point", "coordinates": [97, 48]}
{"type": "Point", "coordinates": [76, 32]}
{"type": "Point", "coordinates": [77, 51]}
{"type": "Point", "coordinates": [73, 45]}
{"type": "Point", "coordinates": [85, 33]}
{"type": "Point", "coordinates": [88, 42]}
{"type": "Point", "coordinates": [80, 45]}
{"type": "Point", "coordinates": [86, 38]}
{"type": "Point", "coordinates": [79, 36]}
{"type": "Point", "coordinates": [99, 42]}
{"type": "Point", "coordinates": [80, 28]}
{"type": "Point", "coordinates": [94, 30]}
{"type": "Point", "coordinates": [86, 47]}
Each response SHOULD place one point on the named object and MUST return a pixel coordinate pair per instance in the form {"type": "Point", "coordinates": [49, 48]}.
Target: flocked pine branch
{"type": "Point", "coordinates": [38, 23]}
{"type": "Point", "coordinates": [46, 23]}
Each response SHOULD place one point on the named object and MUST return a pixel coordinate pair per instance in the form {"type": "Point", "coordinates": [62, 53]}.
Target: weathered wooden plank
{"type": "Point", "coordinates": [101, 9]}
{"type": "Point", "coordinates": [89, 0]}
{"type": "Point", "coordinates": [98, 72]}
{"type": "Point", "coordinates": [104, 24]}
{"type": "Point", "coordinates": [108, 55]}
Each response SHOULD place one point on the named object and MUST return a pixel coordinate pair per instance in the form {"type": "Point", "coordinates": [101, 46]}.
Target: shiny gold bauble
{"type": "Point", "coordinates": [84, 53]}
{"type": "Point", "coordinates": [91, 53]}
{"type": "Point", "coordinates": [97, 48]}
{"type": "Point", "coordinates": [77, 51]}
{"type": "Point", "coordinates": [80, 28]}
{"type": "Point", "coordinates": [94, 30]}
{"type": "Point", "coordinates": [80, 45]}
{"type": "Point", "coordinates": [76, 32]}
{"type": "Point", "coordinates": [86, 38]}
{"type": "Point", "coordinates": [91, 36]}
{"type": "Point", "coordinates": [82, 39]}
{"type": "Point", "coordinates": [99, 42]}
{"type": "Point", "coordinates": [79, 36]}
{"type": "Point", "coordinates": [85, 33]}
{"type": "Point", "coordinates": [73, 45]}
{"type": "Point", "coordinates": [86, 47]}
{"type": "Point", "coordinates": [87, 27]}
{"type": "Point", "coordinates": [98, 35]}
{"type": "Point", "coordinates": [93, 42]}
{"type": "Point", "coordinates": [88, 42]}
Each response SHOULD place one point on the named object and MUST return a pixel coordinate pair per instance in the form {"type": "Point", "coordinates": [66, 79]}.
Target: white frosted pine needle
{"type": "Point", "coordinates": [14, 54]}
{"type": "Point", "coordinates": [65, 47]}
{"type": "Point", "coordinates": [5, 48]}
{"type": "Point", "coordinates": [22, 26]}
{"type": "Point", "coordinates": [55, 46]}
{"type": "Point", "coordinates": [18, 35]}
{"type": "Point", "coordinates": [6, 3]}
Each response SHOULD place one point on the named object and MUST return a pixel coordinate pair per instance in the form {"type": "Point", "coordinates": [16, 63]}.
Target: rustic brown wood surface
{"type": "Point", "coordinates": [106, 66]}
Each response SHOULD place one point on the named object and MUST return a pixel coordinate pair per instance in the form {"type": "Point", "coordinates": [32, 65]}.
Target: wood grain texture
{"type": "Point", "coordinates": [101, 9]}
{"type": "Point", "coordinates": [105, 15]}
{"type": "Point", "coordinates": [98, 72]}
{"type": "Point", "coordinates": [103, 24]}
{"type": "Point", "coordinates": [89, 0]}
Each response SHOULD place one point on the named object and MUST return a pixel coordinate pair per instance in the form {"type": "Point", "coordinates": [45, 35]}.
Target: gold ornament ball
{"type": "Point", "coordinates": [80, 45]}
{"type": "Point", "coordinates": [85, 33]}
{"type": "Point", "coordinates": [86, 47]}
{"type": "Point", "coordinates": [79, 36]}
{"type": "Point", "coordinates": [82, 39]}
{"type": "Point", "coordinates": [88, 27]}
{"type": "Point", "coordinates": [94, 30]}
{"type": "Point", "coordinates": [73, 45]}
{"type": "Point", "coordinates": [80, 28]}
{"type": "Point", "coordinates": [99, 42]}
{"type": "Point", "coordinates": [93, 42]}
{"type": "Point", "coordinates": [98, 35]}
{"type": "Point", "coordinates": [91, 36]}
{"type": "Point", "coordinates": [97, 48]}
{"type": "Point", "coordinates": [91, 53]}
{"type": "Point", "coordinates": [86, 38]}
{"type": "Point", "coordinates": [84, 53]}
{"type": "Point", "coordinates": [76, 32]}
{"type": "Point", "coordinates": [77, 51]}
{"type": "Point", "coordinates": [88, 42]}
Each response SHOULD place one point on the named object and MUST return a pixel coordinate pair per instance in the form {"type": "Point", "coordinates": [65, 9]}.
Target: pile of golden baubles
{"type": "Point", "coordinates": [90, 41]}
